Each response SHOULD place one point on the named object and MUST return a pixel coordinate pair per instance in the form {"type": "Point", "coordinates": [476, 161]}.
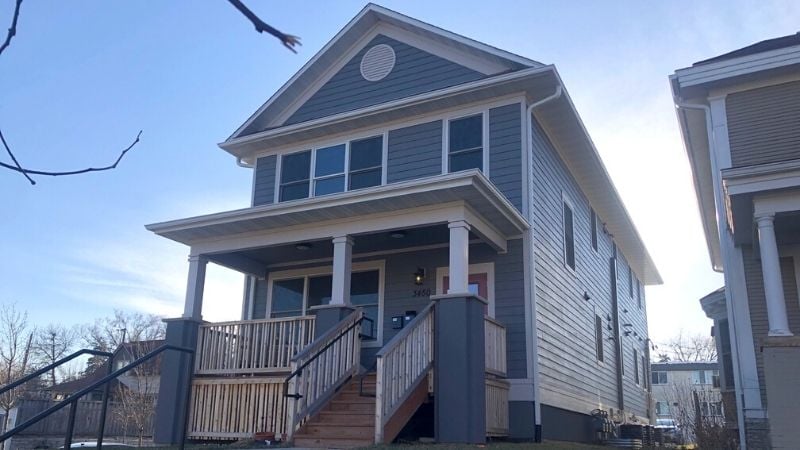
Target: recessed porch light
{"type": "Point", "coordinates": [303, 247]}
{"type": "Point", "coordinates": [400, 234]}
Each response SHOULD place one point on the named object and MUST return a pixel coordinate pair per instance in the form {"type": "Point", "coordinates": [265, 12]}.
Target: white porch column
{"type": "Point", "coordinates": [342, 268]}
{"type": "Point", "coordinates": [194, 288]}
{"type": "Point", "coordinates": [771, 269]}
{"type": "Point", "coordinates": [459, 257]}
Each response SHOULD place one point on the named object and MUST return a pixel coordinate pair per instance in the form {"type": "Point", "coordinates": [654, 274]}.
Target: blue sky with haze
{"type": "Point", "coordinates": [83, 77]}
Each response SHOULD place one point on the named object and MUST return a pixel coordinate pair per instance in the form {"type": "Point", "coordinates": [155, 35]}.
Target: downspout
{"type": "Point", "coordinates": [537, 407]}
{"type": "Point", "coordinates": [719, 199]}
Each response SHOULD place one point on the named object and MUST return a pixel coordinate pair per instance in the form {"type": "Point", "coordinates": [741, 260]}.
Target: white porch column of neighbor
{"type": "Point", "coordinates": [194, 288]}
{"type": "Point", "coordinates": [459, 257]}
{"type": "Point", "coordinates": [342, 268]}
{"type": "Point", "coordinates": [771, 269]}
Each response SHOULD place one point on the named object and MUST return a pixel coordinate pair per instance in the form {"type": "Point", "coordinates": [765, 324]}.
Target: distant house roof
{"type": "Point", "coordinates": [683, 366]}
{"type": "Point", "coordinates": [762, 46]}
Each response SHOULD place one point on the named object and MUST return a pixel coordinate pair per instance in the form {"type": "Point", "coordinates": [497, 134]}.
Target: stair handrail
{"type": "Point", "coordinates": [53, 365]}
{"type": "Point", "coordinates": [312, 354]}
{"type": "Point", "coordinates": [72, 400]}
{"type": "Point", "coordinates": [389, 398]}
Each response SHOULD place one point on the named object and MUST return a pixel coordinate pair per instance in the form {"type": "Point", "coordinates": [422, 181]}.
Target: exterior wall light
{"type": "Point", "coordinates": [419, 276]}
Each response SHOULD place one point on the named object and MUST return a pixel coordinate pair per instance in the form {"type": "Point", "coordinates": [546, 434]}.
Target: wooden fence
{"type": "Point", "coordinates": [87, 419]}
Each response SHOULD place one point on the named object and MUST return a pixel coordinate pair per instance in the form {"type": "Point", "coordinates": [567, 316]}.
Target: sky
{"type": "Point", "coordinates": [82, 78]}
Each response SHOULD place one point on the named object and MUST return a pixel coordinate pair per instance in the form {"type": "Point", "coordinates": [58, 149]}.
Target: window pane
{"type": "Point", "coordinates": [329, 161]}
{"type": "Point", "coordinates": [294, 191]}
{"type": "Point", "coordinates": [287, 297]}
{"type": "Point", "coordinates": [295, 167]}
{"type": "Point", "coordinates": [569, 242]}
{"type": "Point", "coordinates": [466, 160]}
{"type": "Point", "coordinates": [365, 179]}
{"type": "Point", "coordinates": [364, 288]}
{"type": "Point", "coordinates": [319, 290]}
{"type": "Point", "coordinates": [329, 185]}
{"type": "Point", "coordinates": [466, 133]}
{"type": "Point", "coordinates": [366, 153]}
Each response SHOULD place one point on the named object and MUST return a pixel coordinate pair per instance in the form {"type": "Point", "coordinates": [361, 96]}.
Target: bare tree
{"type": "Point", "coordinates": [288, 40]}
{"type": "Point", "coordinates": [109, 333]}
{"type": "Point", "coordinates": [699, 415]}
{"type": "Point", "coordinates": [137, 390]}
{"type": "Point", "coordinates": [16, 345]}
{"type": "Point", "coordinates": [688, 348]}
{"type": "Point", "coordinates": [52, 343]}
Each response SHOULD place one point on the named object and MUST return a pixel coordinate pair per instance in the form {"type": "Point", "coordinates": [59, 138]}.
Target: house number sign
{"type": "Point", "coordinates": [426, 292]}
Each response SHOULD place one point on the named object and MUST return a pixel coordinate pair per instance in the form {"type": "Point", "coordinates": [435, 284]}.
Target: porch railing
{"type": "Point", "coordinates": [251, 346]}
{"type": "Point", "coordinates": [495, 336]}
{"type": "Point", "coordinates": [403, 364]}
{"type": "Point", "coordinates": [321, 368]}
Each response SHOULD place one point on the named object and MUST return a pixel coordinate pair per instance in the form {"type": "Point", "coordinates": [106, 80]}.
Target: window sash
{"type": "Point", "coordinates": [306, 293]}
{"type": "Point", "coordinates": [459, 146]}
{"type": "Point", "coordinates": [598, 337]}
{"type": "Point", "coordinates": [569, 236]}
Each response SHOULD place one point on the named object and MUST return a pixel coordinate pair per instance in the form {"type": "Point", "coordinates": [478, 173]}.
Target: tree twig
{"type": "Point", "coordinates": [12, 30]}
{"type": "Point", "coordinates": [18, 167]}
{"type": "Point", "coordinates": [70, 172]}
{"type": "Point", "coordinates": [287, 40]}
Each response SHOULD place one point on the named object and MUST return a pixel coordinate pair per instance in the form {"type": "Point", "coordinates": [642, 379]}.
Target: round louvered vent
{"type": "Point", "coordinates": [377, 62]}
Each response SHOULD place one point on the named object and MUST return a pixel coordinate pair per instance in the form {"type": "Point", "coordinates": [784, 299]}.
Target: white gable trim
{"type": "Point", "coordinates": [381, 16]}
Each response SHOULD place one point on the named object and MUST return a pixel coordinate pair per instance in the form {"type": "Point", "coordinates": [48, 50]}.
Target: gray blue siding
{"type": "Point", "coordinates": [415, 152]}
{"type": "Point", "coordinates": [264, 182]}
{"type": "Point", "coordinates": [570, 375]}
{"type": "Point", "coordinates": [505, 155]}
{"type": "Point", "coordinates": [399, 292]}
{"type": "Point", "coordinates": [764, 124]}
{"type": "Point", "coordinates": [415, 72]}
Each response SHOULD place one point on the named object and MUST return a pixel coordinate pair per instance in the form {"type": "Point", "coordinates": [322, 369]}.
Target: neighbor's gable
{"type": "Point", "coordinates": [414, 71]}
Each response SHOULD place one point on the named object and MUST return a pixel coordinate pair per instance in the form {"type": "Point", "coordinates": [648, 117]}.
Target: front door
{"type": "Point", "coordinates": [479, 283]}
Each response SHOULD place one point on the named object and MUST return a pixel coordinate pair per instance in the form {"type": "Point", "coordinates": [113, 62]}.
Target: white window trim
{"type": "Point", "coordinates": [379, 265]}
{"type": "Point", "coordinates": [487, 268]}
{"type": "Point", "coordinates": [384, 134]}
{"type": "Point", "coordinates": [565, 199]}
{"type": "Point", "coordinates": [483, 111]}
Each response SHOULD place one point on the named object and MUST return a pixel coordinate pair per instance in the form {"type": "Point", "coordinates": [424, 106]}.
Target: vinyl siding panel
{"type": "Point", "coordinates": [399, 292]}
{"type": "Point", "coordinates": [764, 124]}
{"type": "Point", "coordinates": [758, 303]}
{"type": "Point", "coordinates": [415, 72]}
{"type": "Point", "coordinates": [505, 151]}
{"type": "Point", "coordinates": [264, 183]}
{"type": "Point", "coordinates": [570, 375]}
{"type": "Point", "coordinates": [415, 152]}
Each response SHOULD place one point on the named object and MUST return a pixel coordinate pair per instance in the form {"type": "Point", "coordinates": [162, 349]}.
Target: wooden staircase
{"type": "Point", "coordinates": [347, 421]}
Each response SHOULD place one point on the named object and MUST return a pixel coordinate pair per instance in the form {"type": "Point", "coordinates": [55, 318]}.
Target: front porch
{"type": "Point", "coordinates": [324, 276]}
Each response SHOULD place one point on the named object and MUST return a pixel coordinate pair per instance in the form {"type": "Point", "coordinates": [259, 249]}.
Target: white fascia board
{"type": "Point", "coordinates": [232, 145]}
{"type": "Point", "coordinates": [779, 175]}
{"type": "Point", "coordinates": [745, 65]}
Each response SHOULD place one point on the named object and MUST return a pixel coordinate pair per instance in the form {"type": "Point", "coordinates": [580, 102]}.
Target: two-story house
{"type": "Point", "coordinates": [431, 226]}
{"type": "Point", "coordinates": [740, 118]}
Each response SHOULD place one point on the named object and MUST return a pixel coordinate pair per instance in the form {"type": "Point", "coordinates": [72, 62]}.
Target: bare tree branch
{"type": "Point", "coordinates": [71, 172]}
{"type": "Point", "coordinates": [287, 40]}
{"type": "Point", "coordinates": [14, 158]}
{"type": "Point", "coordinates": [12, 30]}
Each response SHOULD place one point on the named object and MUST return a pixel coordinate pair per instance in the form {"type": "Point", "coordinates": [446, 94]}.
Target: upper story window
{"type": "Point", "coordinates": [465, 143]}
{"type": "Point", "coordinates": [327, 170]}
{"type": "Point", "coordinates": [569, 236]}
{"type": "Point", "coordinates": [598, 337]}
{"type": "Point", "coordinates": [639, 293]}
{"type": "Point", "coordinates": [636, 366]}
{"type": "Point", "coordinates": [658, 377]}
{"type": "Point", "coordinates": [594, 229]}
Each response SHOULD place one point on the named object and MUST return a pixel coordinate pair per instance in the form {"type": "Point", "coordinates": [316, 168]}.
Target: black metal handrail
{"type": "Point", "coordinates": [72, 400]}
{"type": "Point", "coordinates": [52, 366]}
{"type": "Point", "coordinates": [317, 354]}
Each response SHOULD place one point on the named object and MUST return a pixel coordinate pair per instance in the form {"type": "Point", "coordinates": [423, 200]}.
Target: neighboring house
{"type": "Point", "coordinates": [681, 390]}
{"type": "Point", "coordinates": [427, 179]}
{"type": "Point", "coordinates": [739, 114]}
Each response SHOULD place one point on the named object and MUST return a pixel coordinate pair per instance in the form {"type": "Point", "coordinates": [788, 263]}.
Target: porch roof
{"type": "Point", "coordinates": [394, 206]}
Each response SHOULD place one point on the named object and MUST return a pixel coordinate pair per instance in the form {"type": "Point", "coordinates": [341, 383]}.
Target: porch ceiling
{"type": "Point", "coordinates": [409, 204]}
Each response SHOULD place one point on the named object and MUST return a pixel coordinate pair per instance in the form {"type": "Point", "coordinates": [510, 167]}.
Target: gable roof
{"type": "Point", "coordinates": [759, 47]}
{"type": "Point", "coordinates": [354, 36]}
